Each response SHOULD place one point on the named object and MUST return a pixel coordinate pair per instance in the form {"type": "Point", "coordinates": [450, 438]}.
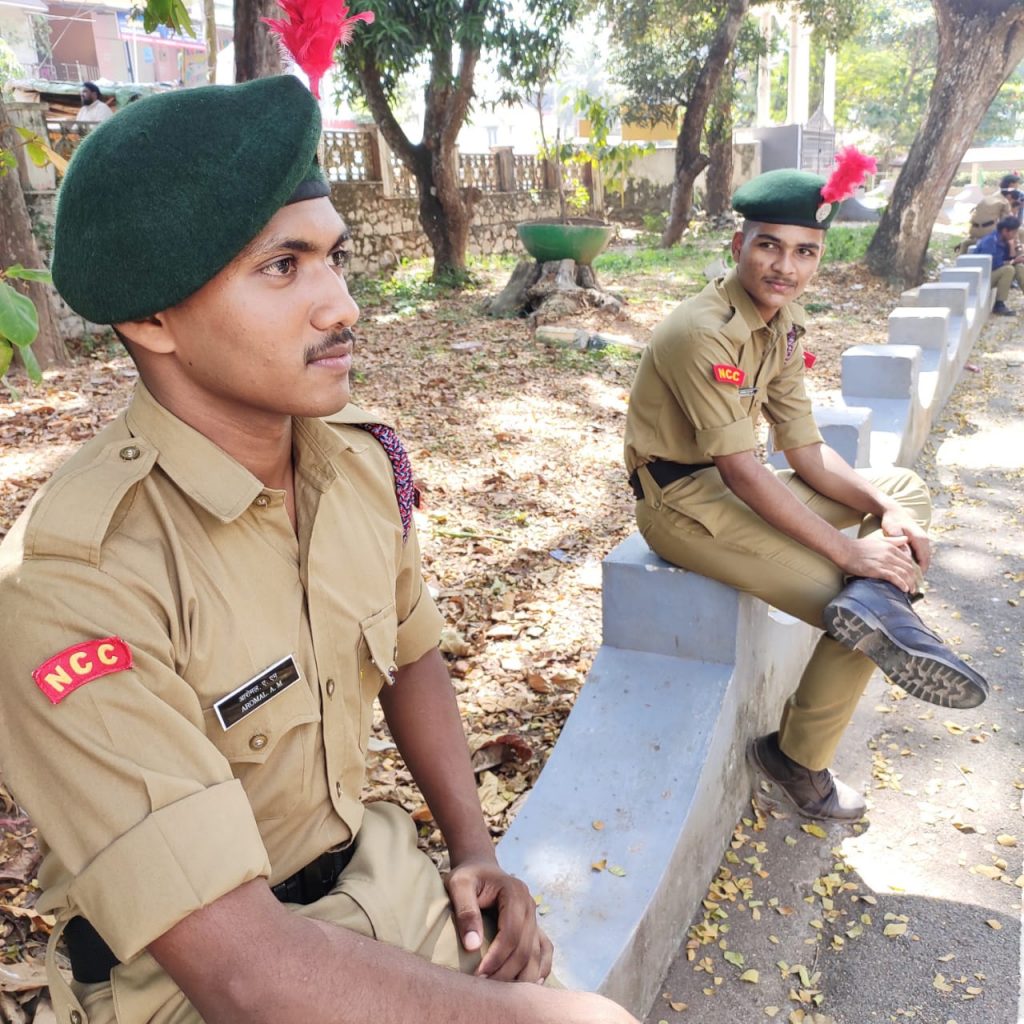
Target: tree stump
{"type": "Point", "coordinates": [551, 290]}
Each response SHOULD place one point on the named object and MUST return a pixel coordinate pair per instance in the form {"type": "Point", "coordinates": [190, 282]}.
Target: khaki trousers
{"type": "Point", "coordinates": [699, 524]}
{"type": "Point", "coordinates": [1002, 279]}
{"type": "Point", "coordinates": [389, 891]}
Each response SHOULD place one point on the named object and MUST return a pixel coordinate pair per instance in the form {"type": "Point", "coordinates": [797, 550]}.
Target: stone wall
{"type": "Point", "coordinates": [386, 231]}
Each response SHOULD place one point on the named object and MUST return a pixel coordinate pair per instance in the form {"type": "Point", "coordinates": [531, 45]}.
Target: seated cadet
{"type": "Point", "coordinates": [704, 502]}
{"type": "Point", "coordinates": [992, 209]}
{"type": "Point", "coordinates": [203, 604]}
{"type": "Point", "coordinates": [1003, 245]}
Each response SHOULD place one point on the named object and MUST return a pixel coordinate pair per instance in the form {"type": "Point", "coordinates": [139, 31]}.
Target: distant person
{"type": "Point", "coordinates": [1003, 245]}
{"type": "Point", "coordinates": [1011, 193]}
{"type": "Point", "coordinates": [94, 107]}
{"type": "Point", "coordinates": [992, 209]}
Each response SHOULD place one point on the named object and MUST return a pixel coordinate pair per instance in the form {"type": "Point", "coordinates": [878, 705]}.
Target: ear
{"type": "Point", "coordinates": [737, 245]}
{"type": "Point", "coordinates": [151, 334]}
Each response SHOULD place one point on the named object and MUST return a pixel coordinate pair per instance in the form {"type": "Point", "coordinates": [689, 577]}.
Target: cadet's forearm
{"type": "Point", "coordinates": [424, 720]}
{"type": "Point", "coordinates": [773, 501]}
{"type": "Point", "coordinates": [824, 469]}
{"type": "Point", "coordinates": [245, 959]}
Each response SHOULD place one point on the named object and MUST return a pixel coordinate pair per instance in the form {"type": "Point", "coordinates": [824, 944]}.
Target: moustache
{"type": "Point", "coordinates": [346, 336]}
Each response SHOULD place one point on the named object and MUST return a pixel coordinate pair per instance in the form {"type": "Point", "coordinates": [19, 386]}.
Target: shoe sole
{"type": "Point", "coordinates": [926, 677]}
{"type": "Point", "coordinates": [755, 762]}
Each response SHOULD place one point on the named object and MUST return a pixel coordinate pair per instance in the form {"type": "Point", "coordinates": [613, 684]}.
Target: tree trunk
{"type": "Point", "coordinates": [18, 245]}
{"type": "Point", "coordinates": [979, 46]}
{"type": "Point", "coordinates": [690, 161]}
{"type": "Point", "coordinates": [718, 198]}
{"type": "Point", "coordinates": [210, 32]}
{"type": "Point", "coordinates": [257, 52]}
{"type": "Point", "coordinates": [445, 207]}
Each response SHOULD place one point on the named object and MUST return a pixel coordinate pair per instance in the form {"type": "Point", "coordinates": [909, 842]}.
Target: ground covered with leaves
{"type": "Point", "coordinates": [517, 449]}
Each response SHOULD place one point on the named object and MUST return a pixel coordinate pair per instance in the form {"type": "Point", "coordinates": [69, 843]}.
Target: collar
{"type": "Point", "coordinates": [212, 478]}
{"type": "Point", "coordinates": [747, 321]}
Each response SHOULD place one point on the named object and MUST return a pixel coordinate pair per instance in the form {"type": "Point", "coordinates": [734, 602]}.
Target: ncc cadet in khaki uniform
{"type": "Point", "coordinates": [720, 360]}
{"type": "Point", "coordinates": [992, 209]}
{"type": "Point", "coordinates": [203, 604]}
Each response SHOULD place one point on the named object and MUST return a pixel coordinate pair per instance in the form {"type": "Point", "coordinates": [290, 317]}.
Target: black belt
{"type": "Point", "coordinates": [92, 959]}
{"type": "Point", "coordinates": [664, 473]}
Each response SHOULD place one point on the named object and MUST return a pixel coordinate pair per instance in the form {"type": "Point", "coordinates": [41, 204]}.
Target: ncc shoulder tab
{"type": "Point", "coordinates": [73, 513]}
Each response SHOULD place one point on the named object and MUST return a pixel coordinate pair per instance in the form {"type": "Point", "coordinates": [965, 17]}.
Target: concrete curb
{"type": "Point", "coordinates": [648, 776]}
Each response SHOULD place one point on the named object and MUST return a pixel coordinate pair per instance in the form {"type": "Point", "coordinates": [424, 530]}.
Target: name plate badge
{"type": "Point", "coordinates": [253, 694]}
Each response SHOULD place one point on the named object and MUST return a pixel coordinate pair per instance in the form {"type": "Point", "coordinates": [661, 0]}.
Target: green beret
{"type": "Point", "coordinates": [160, 198]}
{"type": "Point", "coordinates": [785, 197]}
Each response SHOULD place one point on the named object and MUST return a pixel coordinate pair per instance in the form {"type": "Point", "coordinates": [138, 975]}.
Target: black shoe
{"type": "Point", "coordinates": [1000, 308]}
{"type": "Point", "coordinates": [875, 618]}
{"type": "Point", "coordinates": [814, 794]}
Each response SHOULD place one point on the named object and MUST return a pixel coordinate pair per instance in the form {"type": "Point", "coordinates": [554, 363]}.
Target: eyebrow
{"type": "Point", "coordinates": [276, 243]}
{"type": "Point", "coordinates": [796, 245]}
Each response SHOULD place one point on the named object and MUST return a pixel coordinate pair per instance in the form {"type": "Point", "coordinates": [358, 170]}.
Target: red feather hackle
{"type": "Point", "coordinates": [311, 31]}
{"type": "Point", "coordinates": [852, 167]}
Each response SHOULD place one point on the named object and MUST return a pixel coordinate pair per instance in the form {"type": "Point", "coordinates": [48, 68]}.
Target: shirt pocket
{"type": "Point", "coordinates": [270, 750]}
{"type": "Point", "coordinates": [378, 650]}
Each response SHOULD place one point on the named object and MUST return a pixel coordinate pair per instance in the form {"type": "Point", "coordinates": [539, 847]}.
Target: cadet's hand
{"type": "Point", "coordinates": [898, 523]}
{"type": "Point", "coordinates": [882, 558]}
{"type": "Point", "coordinates": [520, 951]}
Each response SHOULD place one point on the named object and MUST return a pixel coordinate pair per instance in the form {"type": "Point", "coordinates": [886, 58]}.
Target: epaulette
{"type": "Point", "coordinates": [73, 512]}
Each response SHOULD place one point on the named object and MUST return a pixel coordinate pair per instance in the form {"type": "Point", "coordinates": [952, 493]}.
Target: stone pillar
{"type": "Point", "coordinates": [505, 168]}
{"type": "Point", "coordinates": [828, 100]}
{"type": "Point", "coordinates": [799, 111]}
{"type": "Point", "coordinates": [764, 74]}
{"type": "Point", "coordinates": [32, 116]}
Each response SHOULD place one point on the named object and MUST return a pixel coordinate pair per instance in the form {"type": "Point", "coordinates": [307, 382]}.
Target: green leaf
{"type": "Point", "coordinates": [25, 133]}
{"type": "Point", "coordinates": [6, 355]}
{"type": "Point", "coordinates": [28, 357]}
{"type": "Point", "coordinates": [27, 274]}
{"type": "Point", "coordinates": [36, 153]}
{"type": "Point", "coordinates": [736, 959]}
{"type": "Point", "coordinates": [19, 322]}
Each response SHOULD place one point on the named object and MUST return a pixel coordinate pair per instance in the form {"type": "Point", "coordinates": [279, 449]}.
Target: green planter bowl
{"type": "Point", "coordinates": [546, 241]}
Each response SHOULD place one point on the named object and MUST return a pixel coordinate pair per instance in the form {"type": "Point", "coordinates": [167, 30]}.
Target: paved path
{"type": "Point", "coordinates": [915, 915]}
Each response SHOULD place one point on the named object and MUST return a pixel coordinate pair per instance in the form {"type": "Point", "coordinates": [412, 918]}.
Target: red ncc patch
{"type": "Point", "coordinates": [81, 664]}
{"type": "Point", "coordinates": [726, 374]}
{"type": "Point", "coordinates": [809, 359]}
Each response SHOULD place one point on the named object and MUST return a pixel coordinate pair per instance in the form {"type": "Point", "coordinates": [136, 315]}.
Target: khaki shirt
{"type": "Point", "coordinates": [148, 806]}
{"type": "Point", "coordinates": [987, 214]}
{"type": "Point", "coordinates": [680, 411]}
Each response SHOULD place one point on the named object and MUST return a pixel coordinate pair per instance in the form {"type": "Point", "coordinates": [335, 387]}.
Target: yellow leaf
{"type": "Point", "coordinates": [771, 1011]}
{"type": "Point", "coordinates": [678, 1007]}
{"type": "Point", "coordinates": [939, 982]}
{"type": "Point", "coordinates": [617, 871]}
{"type": "Point", "coordinates": [954, 728]}
{"type": "Point", "coordinates": [1005, 840]}
{"type": "Point", "coordinates": [815, 830]}
{"type": "Point", "coordinates": [752, 976]}
{"type": "Point", "coordinates": [945, 959]}
{"type": "Point", "coordinates": [597, 825]}
{"type": "Point", "coordinates": [994, 924]}
{"type": "Point", "coordinates": [892, 930]}
{"type": "Point", "coordinates": [987, 871]}
{"type": "Point", "coordinates": [599, 865]}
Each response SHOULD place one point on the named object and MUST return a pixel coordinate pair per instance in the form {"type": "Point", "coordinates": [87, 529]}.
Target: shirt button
{"type": "Point", "coordinates": [337, 788]}
{"type": "Point", "coordinates": [258, 742]}
{"type": "Point", "coordinates": [392, 673]}
{"type": "Point", "coordinates": [129, 453]}
{"type": "Point", "coordinates": [262, 501]}
{"type": "Point", "coordinates": [330, 687]}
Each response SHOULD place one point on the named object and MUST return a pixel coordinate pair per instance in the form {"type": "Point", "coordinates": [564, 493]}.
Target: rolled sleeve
{"type": "Point", "coordinates": [795, 433]}
{"type": "Point", "coordinates": [177, 860]}
{"type": "Point", "coordinates": [727, 440]}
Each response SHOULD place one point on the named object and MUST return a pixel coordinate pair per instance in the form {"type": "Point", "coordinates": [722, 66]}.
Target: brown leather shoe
{"type": "Point", "coordinates": [814, 794]}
